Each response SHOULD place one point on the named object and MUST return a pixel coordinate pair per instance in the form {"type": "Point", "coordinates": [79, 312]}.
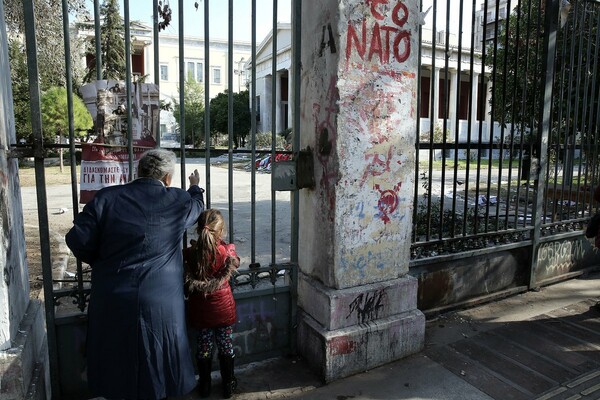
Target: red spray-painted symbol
{"type": "Point", "coordinates": [388, 201]}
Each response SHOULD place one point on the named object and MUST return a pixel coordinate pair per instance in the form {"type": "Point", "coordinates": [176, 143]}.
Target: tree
{"type": "Point", "coordinates": [219, 113]}
{"type": "Point", "coordinates": [55, 116]}
{"type": "Point", "coordinates": [55, 120]}
{"type": "Point", "coordinates": [50, 54]}
{"type": "Point", "coordinates": [517, 63]}
{"type": "Point", "coordinates": [193, 98]}
{"type": "Point", "coordinates": [112, 44]}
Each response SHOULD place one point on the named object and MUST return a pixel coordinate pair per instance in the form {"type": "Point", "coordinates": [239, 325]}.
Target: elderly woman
{"type": "Point", "coordinates": [131, 236]}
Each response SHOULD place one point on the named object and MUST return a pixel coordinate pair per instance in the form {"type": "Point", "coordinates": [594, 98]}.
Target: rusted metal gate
{"type": "Point", "coordinates": [265, 289]}
{"type": "Point", "coordinates": [507, 149]}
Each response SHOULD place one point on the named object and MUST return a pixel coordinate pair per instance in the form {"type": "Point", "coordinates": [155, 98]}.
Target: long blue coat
{"type": "Point", "coordinates": [131, 236]}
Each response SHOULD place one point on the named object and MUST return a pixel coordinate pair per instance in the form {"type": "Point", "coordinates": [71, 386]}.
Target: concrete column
{"type": "Point", "coordinates": [22, 330]}
{"type": "Point", "coordinates": [265, 118]}
{"type": "Point", "coordinates": [359, 117]}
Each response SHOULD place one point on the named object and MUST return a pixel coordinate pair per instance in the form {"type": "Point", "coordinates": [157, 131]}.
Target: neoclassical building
{"type": "Point", "coordinates": [446, 74]}
{"type": "Point", "coordinates": [142, 62]}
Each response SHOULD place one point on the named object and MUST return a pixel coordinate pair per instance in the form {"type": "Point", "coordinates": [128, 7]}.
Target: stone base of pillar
{"type": "Point", "coordinates": [24, 372]}
{"type": "Point", "coordinates": [383, 325]}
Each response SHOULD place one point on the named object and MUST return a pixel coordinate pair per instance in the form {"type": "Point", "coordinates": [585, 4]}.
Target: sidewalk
{"type": "Point", "coordinates": [537, 345]}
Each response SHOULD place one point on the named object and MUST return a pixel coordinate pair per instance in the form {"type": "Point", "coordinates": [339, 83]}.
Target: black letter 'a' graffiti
{"type": "Point", "coordinates": [330, 43]}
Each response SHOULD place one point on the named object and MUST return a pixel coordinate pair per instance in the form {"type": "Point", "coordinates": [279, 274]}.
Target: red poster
{"type": "Point", "coordinates": [104, 165]}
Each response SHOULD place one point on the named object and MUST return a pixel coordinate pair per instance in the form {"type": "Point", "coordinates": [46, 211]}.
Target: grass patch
{"type": "Point", "coordinates": [52, 174]}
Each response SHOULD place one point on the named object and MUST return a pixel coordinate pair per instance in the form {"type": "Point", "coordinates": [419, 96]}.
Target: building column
{"type": "Point", "coordinates": [434, 95]}
{"type": "Point", "coordinates": [358, 305]}
{"type": "Point", "coordinates": [265, 118]}
{"type": "Point", "coordinates": [474, 105]}
{"type": "Point", "coordinates": [278, 107]}
{"type": "Point", "coordinates": [453, 111]}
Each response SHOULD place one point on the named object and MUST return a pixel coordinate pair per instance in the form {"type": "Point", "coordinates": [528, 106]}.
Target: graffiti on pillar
{"type": "Point", "coordinates": [366, 306]}
{"type": "Point", "coordinates": [378, 166]}
{"type": "Point", "coordinates": [388, 202]}
{"type": "Point", "coordinates": [329, 43]}
{"type": "Point", "coordinates": [385, 41]}
{"type": "Point", "coordinates": [326, 137]}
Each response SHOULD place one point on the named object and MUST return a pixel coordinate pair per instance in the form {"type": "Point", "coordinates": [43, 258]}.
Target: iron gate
{"type": "Point", "coordinates": [265, 289]}
{"type": "Point", "coordinates": [508, 149]}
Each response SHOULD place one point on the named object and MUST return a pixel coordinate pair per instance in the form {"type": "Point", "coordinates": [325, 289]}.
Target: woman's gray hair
{"type": "Point", "coordinates": [156, 163]}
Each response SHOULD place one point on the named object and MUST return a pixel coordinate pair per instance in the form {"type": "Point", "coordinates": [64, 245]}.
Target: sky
{"type": "Point", "coordinates": [194, 19]}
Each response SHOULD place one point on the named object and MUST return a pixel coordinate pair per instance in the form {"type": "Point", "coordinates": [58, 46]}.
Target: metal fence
{"type": "Point", "coordinates": [507, 152]}
{"type": "Point", "coordinates": [265, 289]}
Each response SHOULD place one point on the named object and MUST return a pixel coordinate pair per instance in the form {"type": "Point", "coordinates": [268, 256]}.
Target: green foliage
{"type": "Point", "coordinates": [55, 120]}
{"type": "Point", "coordinates": [112, 45]}
{"type": "Point", "coordinates": [219, 111]}
{"type": "Point", "coordinates": [518, 62]}
{"type": "Point", "coordinates": [193, 98]}
{"type": "Point", "coordinates": [50, 54]}
{"type": "Point", "coordinates": [20, 89]}
{"type": "Point", "coordinates": [265, 139]}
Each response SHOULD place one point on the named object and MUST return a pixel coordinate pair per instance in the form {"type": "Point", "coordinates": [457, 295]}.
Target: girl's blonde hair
{"type": "Point", "coordinates": [211, 229]}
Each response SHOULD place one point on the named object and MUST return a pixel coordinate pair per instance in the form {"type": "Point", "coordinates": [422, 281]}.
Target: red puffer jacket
{"type": "Point", "coordinates": [210, 302]}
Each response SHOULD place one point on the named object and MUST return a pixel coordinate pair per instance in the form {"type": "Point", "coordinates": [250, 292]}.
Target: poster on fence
{"type": "Point", "coordinates": [105, 161]}
{"type": "Point", "coordinates": [106, 100]}
{"type": "Point", "coordinates": [104, 165]}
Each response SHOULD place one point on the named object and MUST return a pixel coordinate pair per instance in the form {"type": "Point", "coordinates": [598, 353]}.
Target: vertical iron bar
{"type": "Point", "coordinates": [512, 146]}
{"type": "Point", "coordinates": [297, 64]}
{"type": "Point", "coordinates": [207, 100]}
{"type": "Point", "coordinates": [433, 105]}
{"type": "Point", "coordinates": [273, 129]}
{"type": "Point", "coordinates": [446, 108]}
{"type": "Point", "coordinates": [40, 183]}
{"type": "Point", "coordinates": [253, 134]}
{"type": "Point", "coordinates": [579, 128]}
{"type": "Point", "coordinates": [418, 136]}
{"type": "Point", "coordinates": [156, 64]}
{"type": "Point", "coordinates": [506, 33]}
{"type": "Point", "coordinates": [480, 105]}
{"type": "Point", "coordinates": [571, 122]}
{"type": "Point", "coordinates": [73, 160]}
{"type": "Point", "coordinates": [128, 85]}
{"type": "Point", "coordinates": [98, 39]}
{"type": "Point", "coordinates": [457, 119]}
{"type": "Point", "coordinates": [491, 127]}
{"type": "Point", "coordinates": [182, 89]}
{"type": "Point", "coordinates": [593, 121]}
{"type": "Point", "coordinates": [511, 132]}
{"type": "Point", "coordinates": [230, 117]}
{"type": "Point", "coordinates": [470, 116]}
{"type": "Point", "coordinates": [527, 146]}
{"type": "Point", "coordinates": [549, 52]}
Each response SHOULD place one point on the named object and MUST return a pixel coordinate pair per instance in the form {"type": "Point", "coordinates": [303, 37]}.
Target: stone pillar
{"type": "Point", "coordinates": [358, 116]}
{"type": "Point", "coordinates": [23, 347]}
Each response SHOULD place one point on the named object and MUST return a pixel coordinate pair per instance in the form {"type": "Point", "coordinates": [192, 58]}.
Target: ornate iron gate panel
{"type": "Point", "coordinates": [261, 213]}
{"type": "Point", "coordinates": [507, 148]}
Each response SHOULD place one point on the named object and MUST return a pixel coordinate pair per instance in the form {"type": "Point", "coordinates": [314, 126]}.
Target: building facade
{"type": "Point", "coordinates": [193, 65]}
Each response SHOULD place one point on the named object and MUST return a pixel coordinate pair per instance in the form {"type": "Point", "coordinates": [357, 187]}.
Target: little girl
{"type": "Point", "coordinates": [209, 264]}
